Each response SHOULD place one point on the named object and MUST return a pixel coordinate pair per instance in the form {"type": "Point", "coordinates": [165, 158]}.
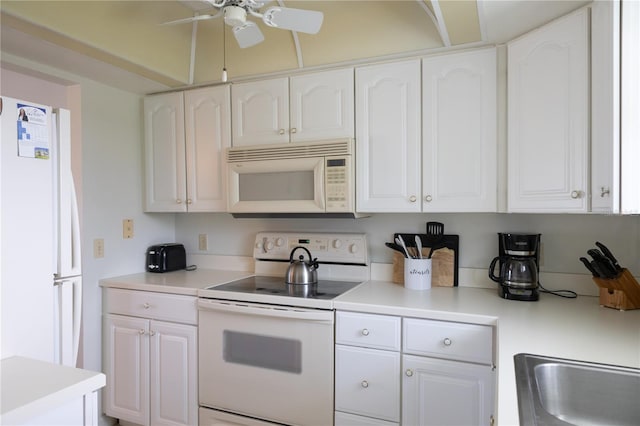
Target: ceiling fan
{"type": "Point", "coordinates": [247, 33]}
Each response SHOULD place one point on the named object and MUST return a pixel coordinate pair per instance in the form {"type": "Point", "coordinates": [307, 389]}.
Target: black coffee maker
{"type": "Point", "coordinates": [519, 264]}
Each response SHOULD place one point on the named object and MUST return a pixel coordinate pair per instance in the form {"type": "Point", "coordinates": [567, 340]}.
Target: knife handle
{"type": "Point", "coordinates": [608, 254]}
{"type": "Point", "coordinates": [589, 266]}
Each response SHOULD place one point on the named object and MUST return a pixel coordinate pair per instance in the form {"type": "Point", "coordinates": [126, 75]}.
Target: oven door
{"type": "Point", "coordinates": [268, 362]}
{"type": "Point", "coordinates": [277, 186]}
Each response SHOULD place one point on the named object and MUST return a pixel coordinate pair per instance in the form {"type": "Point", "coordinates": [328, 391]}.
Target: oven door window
{"type": "Point", "coordinates": [273, 186]}
{"type": "Point", "coordinates": [275, 353]}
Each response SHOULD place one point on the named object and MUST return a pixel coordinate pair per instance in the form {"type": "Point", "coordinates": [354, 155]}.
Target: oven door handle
{"type": "Point", "coordinates": [266, 310]}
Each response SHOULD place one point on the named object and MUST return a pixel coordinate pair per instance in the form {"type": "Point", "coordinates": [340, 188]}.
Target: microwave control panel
{"type": "Point", "coordinates": [337, 181]}
{"type": "Point", "coordinates": [327, 247]}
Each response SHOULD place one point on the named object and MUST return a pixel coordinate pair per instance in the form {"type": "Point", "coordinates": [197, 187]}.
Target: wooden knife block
{"type": "Point", "coordinates": [622, 292]}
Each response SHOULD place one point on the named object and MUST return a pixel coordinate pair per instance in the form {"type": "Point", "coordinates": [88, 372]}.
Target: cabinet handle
{"type": "Point", "coordinates": [146, 305]}
{"type": "Point", "coordinates": [141, 331]}
{"type": "Point", "coordinates": [604, 191]}
{"type": "Point", "coordinates": [281, 132]}
{"type": "Point", "coordinates": [294, 130]}
{"type": "Point", "coordinates": [178, 201]}
{"type": "Point", "coordinates": [152, 333]}
{"type": "Point", "coordinates": [365, 332]}
{"type": "Point", "coordinates": [188, 200]}
{"type": "Point", "coordinates": [447, 341]}
{"type": "Point", "coordinates": [409, 372]}
{"type": "Point", "coordinates": [364, 384]}
{"type": "Point", "coordinates": [576, 194]}
{"type": "Point", "coordinates": [413, 198]}
{"type": "Point", "coordinates": [428, 198]}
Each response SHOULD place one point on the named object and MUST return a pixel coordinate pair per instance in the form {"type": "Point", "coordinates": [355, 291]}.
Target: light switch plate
{"type": "Point", "coordinates": [98, 248]}
{"type": "Point", "coordinates": [203, 244]}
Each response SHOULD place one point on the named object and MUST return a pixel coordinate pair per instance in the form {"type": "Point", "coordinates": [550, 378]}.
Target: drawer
{"type": "Point", "coordinates": [368, 330]}
{"type": "Point", "coordinates": [146, 304]}
{"type": "Point", "coordinates": [448, 340]}
{"type": "Point", "coordinates": [367, 382]}
{"type": "Point", "coordinates": [344, 419]}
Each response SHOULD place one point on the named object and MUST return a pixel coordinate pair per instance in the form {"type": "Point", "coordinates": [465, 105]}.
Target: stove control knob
{"type": "Point", "coordinates": [268, 245]}
{"type": "Point", "coordinates": [279, 242]}
{"type": "Point", "coordinates": [353, 248]}
{"type": "Point", "coordinates": [337, 244]}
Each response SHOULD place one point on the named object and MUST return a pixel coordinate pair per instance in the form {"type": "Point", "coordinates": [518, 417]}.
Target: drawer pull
{"type": "Point", "coordinates": [152, 333]}
{"type": "Point", "coordinates": [447, 341]}
{"type": "Point", "coordinates": [141, 331]}
{"type": "Point", "coordinates": [146, 305]}
{"type": "Point", "coordinates": [364, 384]}
{"type": "Point", "coordinates": [365, 332]}
{"type": "Point", "coordinates": [409, 372]}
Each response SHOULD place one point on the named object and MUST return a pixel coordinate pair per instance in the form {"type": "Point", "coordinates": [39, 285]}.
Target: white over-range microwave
{"type": "Point", "coordinates": [304, 178]}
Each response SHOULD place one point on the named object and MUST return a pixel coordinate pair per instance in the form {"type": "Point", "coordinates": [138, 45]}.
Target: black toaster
{"type": "Point", "coordinates": [166, 257]}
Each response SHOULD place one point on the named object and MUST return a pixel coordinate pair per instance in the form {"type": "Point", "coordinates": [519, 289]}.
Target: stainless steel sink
{"type": "Point", "coordinates": [555, 391]}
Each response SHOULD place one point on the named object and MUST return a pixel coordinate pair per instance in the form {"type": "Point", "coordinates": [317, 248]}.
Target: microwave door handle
{"type": "Point", "coordinates": [267, 311]}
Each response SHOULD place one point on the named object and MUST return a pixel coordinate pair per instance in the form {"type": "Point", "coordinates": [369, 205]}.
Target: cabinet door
{"type": "Point", "coordinates": [438, 392]}
{"type": "Point", "coordinates": [173, 373]}
{"type": "Point", "coordinates": [367, 382]}
{"type": "Point", "coordinates": [260, 112]}
{"type": "Point", "coordinates": [388, 137]}
{"type": "Point", "coordinates": [459, 146]}
{"type": "Point", "coordinates": [548, 117]}
{"type": "Point", "coordinates": [164, 153]}
{"type": "Point", "coordinates": [321, 106]}
{"type": "Point", "coordinates": [126, 364]}
{"type": "Point", "coordinates": [208, 134]}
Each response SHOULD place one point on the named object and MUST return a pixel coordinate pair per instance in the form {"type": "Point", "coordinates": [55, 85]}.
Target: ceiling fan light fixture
{"type": "Point", "coordinates": [235, 16]}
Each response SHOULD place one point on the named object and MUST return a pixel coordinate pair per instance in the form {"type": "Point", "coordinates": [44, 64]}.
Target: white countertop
{"type": "Point", "coordinates": [176, 282]}
{"type": "Point", "coordinates": [31, 387]}
{"type": "Point", "coordinates": [553, 326]}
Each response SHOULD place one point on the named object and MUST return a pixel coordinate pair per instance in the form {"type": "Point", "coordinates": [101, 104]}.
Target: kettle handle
{"type": "Point", "coordinates": [294, 250]}
{"type": "Point", "coordinates": [492, 267]}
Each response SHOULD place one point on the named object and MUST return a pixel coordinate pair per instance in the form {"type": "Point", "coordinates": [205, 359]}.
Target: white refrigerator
{"type": "Point", "coordinates": [41, 276]}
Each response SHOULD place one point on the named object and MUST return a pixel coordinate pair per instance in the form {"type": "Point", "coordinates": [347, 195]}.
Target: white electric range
{"type": "Point", "coordinates": [266, 347]}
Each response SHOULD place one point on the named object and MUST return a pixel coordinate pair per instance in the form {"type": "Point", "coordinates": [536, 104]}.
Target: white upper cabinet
{"type": "Point", "coordinates": [165, 168]}
{"type": "Point", "coordinates": [548, 117]}
{"type": "Point", "coordinates": [388, 113]}
{"type": "Point", "coordinates": [321, 106]}
{"type": "Point", "coordinates": [261, 112]}
{"type": "Point", "coordinates": [459, 143]}
{"type": "Point", "coordinates": [308, 107]}
{"type": "Point", "coordinates": [186, 134]}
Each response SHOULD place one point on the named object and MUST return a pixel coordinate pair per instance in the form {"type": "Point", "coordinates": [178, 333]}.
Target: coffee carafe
{"type": "Point", "coordinates": [518, 265]}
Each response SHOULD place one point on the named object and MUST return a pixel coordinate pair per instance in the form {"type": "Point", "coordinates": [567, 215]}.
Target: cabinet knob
{"type": "Point", "coordinates": [409, 372]}
{"type": "Point", "coordinates": [281, 132]}
{"type": "Point", "coordinates": [576, 194]}
{"type": "Point", "coordinates": [178, 201]}
{"type": "Point", "coordinates": [364, 384]}
{"type": "Point", "coordinates": [428, 198]}
{"type": "Point", "coordinates": [152, 333]}
{"type": "Point", "coordinates": [413, 198]}
{"type": "Point", "coordinates": [146, 305]}
{"type": "Point", "coordinates": [294, 130]}
{"type": "Point", "coordinates": [604, 192]}
{"type": "Point", "coordinates": [365, 332]}
{"type": "Point", "coordinates": [141, 331]}
{"type": "Point", "coordinates": [188, 200]}
{"type": "Point", "coordinates": [447, 341]}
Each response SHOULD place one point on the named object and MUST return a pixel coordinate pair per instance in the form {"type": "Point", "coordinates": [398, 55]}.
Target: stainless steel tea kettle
{"type": "Point", "coordinates": [301, 272]}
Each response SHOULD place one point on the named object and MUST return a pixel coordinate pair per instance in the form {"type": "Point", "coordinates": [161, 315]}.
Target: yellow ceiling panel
{"type": "Point", "coordinates": [461, 20]}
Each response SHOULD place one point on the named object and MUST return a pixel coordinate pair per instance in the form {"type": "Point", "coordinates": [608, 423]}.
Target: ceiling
{"type": "Point", "coordinates": [122, 43]}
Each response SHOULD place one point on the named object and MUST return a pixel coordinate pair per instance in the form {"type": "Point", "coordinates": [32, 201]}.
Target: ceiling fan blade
{"type": "Point", "coordinates": [304, 21]}
{"type": "Point", "coordinates": [192, 19]}
{"type": "Point", "coordinates": [248, 34]}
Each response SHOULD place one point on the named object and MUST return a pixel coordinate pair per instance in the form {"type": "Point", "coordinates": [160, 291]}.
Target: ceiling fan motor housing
{"type": "Point", "coordinates": [235, 16]}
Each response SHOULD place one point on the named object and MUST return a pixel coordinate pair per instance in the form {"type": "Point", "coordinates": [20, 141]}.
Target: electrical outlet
{"type": "Point", "coordinates": [98, 248]}
{"type": "Point", "coordinates": [203, 244]}
{"type": "Point", "coordinates": [127, 228]}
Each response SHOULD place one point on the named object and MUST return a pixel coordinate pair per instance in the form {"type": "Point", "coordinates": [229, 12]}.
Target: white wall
{"type": "Point", "coordinates": [112, 180]}
{"type": "Point", "coordinates": [564, 237]}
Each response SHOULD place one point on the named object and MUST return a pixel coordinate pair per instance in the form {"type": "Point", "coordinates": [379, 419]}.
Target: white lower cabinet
{"type": "Point", "coordinates": [150, 363]}
{"type": "Point", "coordinates": [442, 373]}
